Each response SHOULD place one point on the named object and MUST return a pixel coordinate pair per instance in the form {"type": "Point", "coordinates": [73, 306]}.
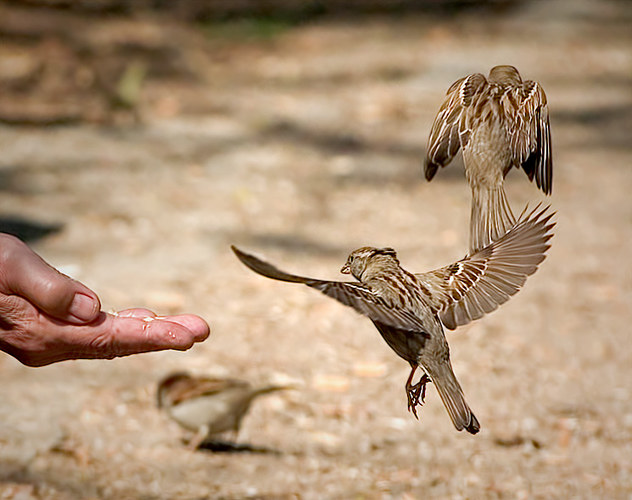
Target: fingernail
{"type": "Point", "coordinates": [83, 307]}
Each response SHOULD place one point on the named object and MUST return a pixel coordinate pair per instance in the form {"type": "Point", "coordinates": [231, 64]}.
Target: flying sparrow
{"type": "Point", "coordinates": [408, 309]}
{"type": "Point", "coordinates": [206, 405]}
{"type": "Point", "coordinates": [500, 122]}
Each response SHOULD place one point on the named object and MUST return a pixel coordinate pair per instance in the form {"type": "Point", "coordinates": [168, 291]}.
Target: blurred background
{"type": "Point", "coordinates": [139, 139]}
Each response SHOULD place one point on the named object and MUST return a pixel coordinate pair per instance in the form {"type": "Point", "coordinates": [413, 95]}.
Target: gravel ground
{"type": "Point", "coordinates": [301, 148]}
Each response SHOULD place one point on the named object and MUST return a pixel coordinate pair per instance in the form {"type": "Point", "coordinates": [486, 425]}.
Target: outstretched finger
{"type": "Point", "coordinates": [132, 335]}
{"type": "Point", "coordinates": [196, 325]}
{"type": "Point", "coordinates": [47, 340]}
{"type": "Point", "coordinates": [193, 323]}
{"type": "Point", "coordinates": [138, 312]}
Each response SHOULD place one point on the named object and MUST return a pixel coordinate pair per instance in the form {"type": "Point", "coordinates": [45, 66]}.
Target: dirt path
{"type": "Point", "coordinates": [301, 148]}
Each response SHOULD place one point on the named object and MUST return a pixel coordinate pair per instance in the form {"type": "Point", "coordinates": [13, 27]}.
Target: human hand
{"type": "Point", "coordinates": [47, 317]}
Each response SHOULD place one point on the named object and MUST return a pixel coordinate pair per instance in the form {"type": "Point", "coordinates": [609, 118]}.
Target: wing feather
{"type": "Point", "coordinates": [352, 294]}
{"type": "Point", "coordinates": [193, 387]}
{"type": "Point", "coordinates": [478, 284]}
{"type": "Point", "coordinates": [449, 130]}
{"type": "Point", "coordinates": [530, 134]}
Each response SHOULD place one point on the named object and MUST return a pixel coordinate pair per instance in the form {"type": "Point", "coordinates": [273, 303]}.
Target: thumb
{"type": "Point", "coordinates": [24, 273]}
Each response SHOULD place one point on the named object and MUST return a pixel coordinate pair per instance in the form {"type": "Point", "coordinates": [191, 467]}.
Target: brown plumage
{"type": "Point", "coordinates": [208, 405]}
{"type": "Point", "coordinates": [499, 122]}
{"type": "Point", "coordinates": [408, 309]}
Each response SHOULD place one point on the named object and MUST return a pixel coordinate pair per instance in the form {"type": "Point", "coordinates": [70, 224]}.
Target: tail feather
{"type": "Point", "coordinates": [453, 399]}
{"type": "Point", "coordinates": [491, 217]}
{"type": "Point", "coordinates": [271, 388]}
{"type": "Point", "coordinates": [265, 390]}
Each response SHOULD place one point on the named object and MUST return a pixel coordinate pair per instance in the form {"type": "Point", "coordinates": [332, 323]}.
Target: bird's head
{"type": "Point", "coordinates": [504, 75]}
{"type": "Point", "coordinates": [365, 258]}
{"type": "Point", "coordinates": [169, 385]}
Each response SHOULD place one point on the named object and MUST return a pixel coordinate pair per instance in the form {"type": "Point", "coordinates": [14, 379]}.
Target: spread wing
{"type": "Point", "coordinates": [449, 130]}
{"type": "Point", "coordinates": [352, 294]}
{"type": "Point", "coordinates": [478, 284]}
{"type": "Point", "coordinates": [530, 134]}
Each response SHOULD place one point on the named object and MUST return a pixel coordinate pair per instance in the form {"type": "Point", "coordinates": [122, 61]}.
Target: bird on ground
{"type": "Point", "coordinates": [499, 122]}
{"type": "Point", "coordinates": [208, 405]}
{"type": "Point", "coordinates": [408, 309]}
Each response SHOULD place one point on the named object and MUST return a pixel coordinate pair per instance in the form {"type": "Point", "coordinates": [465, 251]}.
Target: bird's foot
{"type": "Point", "coordinates": [417, 394]}
{"type": "Point", "coordinates": [198, 438]}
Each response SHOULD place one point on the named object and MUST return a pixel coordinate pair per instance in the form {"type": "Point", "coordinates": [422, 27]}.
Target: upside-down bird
{"type": "Point", "coordinates": [499, 122]}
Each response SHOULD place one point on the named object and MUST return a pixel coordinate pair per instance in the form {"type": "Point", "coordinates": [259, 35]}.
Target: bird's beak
{"type": "Point", "coordinates": [346, 269]}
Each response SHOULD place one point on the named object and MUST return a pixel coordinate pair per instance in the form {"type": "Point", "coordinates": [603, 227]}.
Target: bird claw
{"type": "Point", "coordinates": [417, 395]}
{"type": "Point", "coordinates": [412, 407]}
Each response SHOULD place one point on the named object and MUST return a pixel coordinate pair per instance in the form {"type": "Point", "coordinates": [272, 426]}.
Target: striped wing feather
{"type": "Point", "coordinates": [478, 284]}
{"type": "Point", "coordinates": [530, 134]}
{"type": "Point", "coordinates": [449, 131]}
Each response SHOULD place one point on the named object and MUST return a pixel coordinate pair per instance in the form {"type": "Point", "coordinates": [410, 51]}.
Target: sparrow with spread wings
{"type": "Point", "coordinates": [408, 309]}
{"type": "Point", "coordinates": [499, 122]}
